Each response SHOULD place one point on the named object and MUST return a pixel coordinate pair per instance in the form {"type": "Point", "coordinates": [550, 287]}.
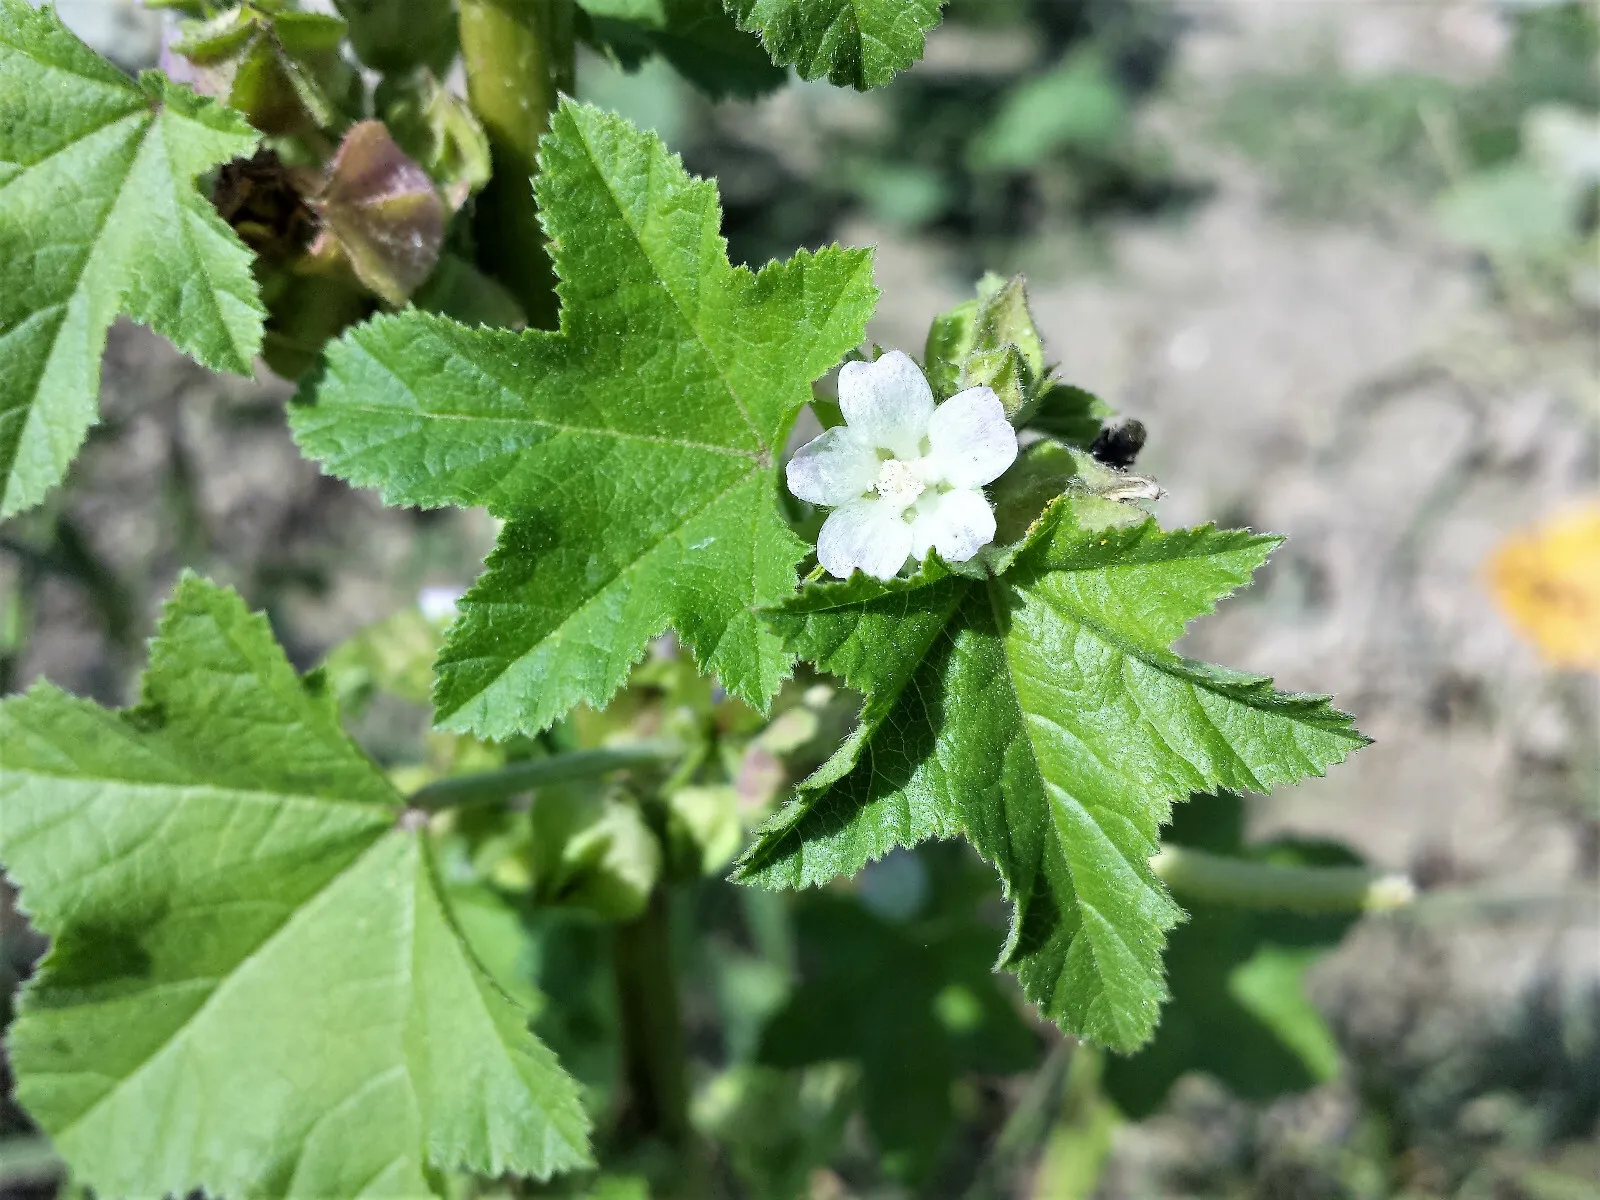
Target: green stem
{"type": "Point", "coordinates": [495, 787]}
{"type": "Point", "coordinates": [1221, 879]}
{"type": "Point", "coordinates": [655, 1061]}
{"type": "Point", "coordinates": [519, 56]}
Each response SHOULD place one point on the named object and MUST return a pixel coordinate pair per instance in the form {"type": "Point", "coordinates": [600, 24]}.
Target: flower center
{"type": "Point", "coordinates": [898, 483]}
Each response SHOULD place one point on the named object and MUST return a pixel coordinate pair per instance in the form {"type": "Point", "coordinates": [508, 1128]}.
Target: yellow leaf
{"type": "Point", "coordinates": [1547, 582]}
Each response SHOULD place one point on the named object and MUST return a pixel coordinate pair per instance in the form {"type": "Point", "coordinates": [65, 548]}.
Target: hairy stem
{"type": "Point", "coordinates": [519, 60]}
{"type": "Point", "coordinates": [494, 787]}
{"type": "Point", "coordinates": [1220, 879]}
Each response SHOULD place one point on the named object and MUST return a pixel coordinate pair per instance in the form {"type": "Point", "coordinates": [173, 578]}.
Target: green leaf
{"type": "Point", "coordinates": [859, 43]}
{"type": "Point", "coordinates": [499, 938]}
{"type": "Point", "coordinates": [915, 1003]}
{"type": "Point", "coordinates": [1044, 471]}
{"type": "Point", "coordinates": [631, 452]}
{"type": "Point", "coordinates": [696, 37]}
{"type": "Point", "coordinates": [99, 215]}
{"type": "Point", "coordinates": [1041, 713]}
{"type": "Point", "coordinates": [254, 986]}
{"type": "Point", "coordinates": [1270, 986]}
{"type": "Point", "coordinates": [1239, 1009]}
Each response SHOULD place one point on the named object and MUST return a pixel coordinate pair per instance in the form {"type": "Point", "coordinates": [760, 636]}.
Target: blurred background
{"type": "Point", "coordinates": [1342, 259]}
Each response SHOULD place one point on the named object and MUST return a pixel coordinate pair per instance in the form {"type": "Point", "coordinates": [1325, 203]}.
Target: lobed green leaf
{"type": "Point", "coordinates": [254, 985]}
{"type": "Point", "coordinates": [100, 216]}
{"type": "Point", "coordinates": [631, 452]}
{"type": "Point", "coordinates": [1041, 714]}
{"type": "Point", "coordinates": [857, 43]}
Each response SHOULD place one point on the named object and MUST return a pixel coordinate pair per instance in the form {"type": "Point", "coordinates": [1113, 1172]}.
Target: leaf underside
{"type": "Point", "coordinates": [95, 171]}
{"type": "Point", "coordinates": [696, 37]}
{"type": "Point", "coordinates": [254, 985]}
{"type": "Point", "coordinates": [630, 452]}
{"type": "Point", "coordinates": [1041, 714]}
{"type": "Point", "coordinates": [855, 43]}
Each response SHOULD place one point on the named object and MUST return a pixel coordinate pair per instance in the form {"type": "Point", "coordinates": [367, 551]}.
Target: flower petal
{"type": "Point", "coordinates": [972, 442]}
{"type": "Point", "coordinates": [957, 524]}
{"type": "Point", "coordinates": [887, 402]}
{"type": "Point", "coordinates": [833, 468]}
{"type": "Point", "coordinates": [866, 535]}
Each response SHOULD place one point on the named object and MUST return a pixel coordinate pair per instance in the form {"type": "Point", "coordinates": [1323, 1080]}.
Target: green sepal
{"type": "Point", "coordinates": [1069, 414]}
{"type": "Point", "coordinates": [436, 128]}
{"type": "Point", "coordinates": [281, 68]}
{"type": "Point", "coordinates": [990, 341]}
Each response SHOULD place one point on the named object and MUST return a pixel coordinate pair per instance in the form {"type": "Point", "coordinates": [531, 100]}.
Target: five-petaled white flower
{"type": "Point", "coordinates": [901, 475]}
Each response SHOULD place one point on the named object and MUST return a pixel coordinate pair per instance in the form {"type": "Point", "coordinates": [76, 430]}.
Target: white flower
{"type": "Point", "coordinates": [438, 604]}
{"type": "Point", "coordinates": [901, 475]}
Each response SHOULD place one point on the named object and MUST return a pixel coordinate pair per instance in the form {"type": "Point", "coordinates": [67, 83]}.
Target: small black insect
{"type": "Point", "coordinates": [1118, 443]}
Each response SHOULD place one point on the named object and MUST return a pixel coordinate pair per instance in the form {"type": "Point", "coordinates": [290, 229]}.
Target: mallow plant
{"type": "Point", "coordinates": [769, 604]}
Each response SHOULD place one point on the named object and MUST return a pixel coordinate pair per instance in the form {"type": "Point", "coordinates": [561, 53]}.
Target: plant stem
{"type": "Point", "coordinates": [519, 56]}
{"type": "Point", "coordinates": [1221, 879]}
{"type": "Point", "coordinates": [655, 1062]}
{"type": "Point", "coordinates": [493, 787]}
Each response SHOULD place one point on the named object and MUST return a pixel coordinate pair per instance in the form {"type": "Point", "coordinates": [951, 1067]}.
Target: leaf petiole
{"type": "Point", "coordinates": [493, 787]}
{"type": "Point", "coordinates": [1199, 875]}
